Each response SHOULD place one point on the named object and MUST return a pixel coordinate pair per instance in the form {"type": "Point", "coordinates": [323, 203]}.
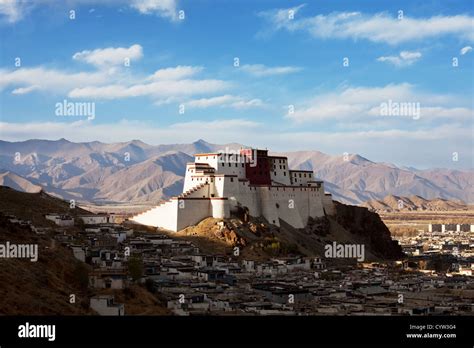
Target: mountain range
{"type": "Point", "coordinates": [137, 172]}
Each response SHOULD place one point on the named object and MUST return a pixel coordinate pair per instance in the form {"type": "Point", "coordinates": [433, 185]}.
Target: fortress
{"type": "Point", "coordinates": [217, 184]}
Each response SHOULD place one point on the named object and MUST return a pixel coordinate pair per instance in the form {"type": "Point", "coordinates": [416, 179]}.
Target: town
{"type": "Point", "coordinates": [189, 282]}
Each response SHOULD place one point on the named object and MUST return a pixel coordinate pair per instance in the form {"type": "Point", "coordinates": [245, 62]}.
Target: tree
{"type": "Point", "coordinates": [135, 267]}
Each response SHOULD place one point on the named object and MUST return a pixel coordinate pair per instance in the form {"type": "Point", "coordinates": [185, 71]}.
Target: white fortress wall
{"type": "Point", "coordinates": [279, 171]}
{"type": "Point", "coordinates": [210, 159]}
{"type": "Point", "coordinates": [191, 211]}
{"type": "Point", "coordinates": [328, 204]}
{"type": "Point", "coordinates": [164, 216]}
{"type": "Point", "coordinates": [201, 190]}
{"type": "Point", "coordinates": [248, 197]}
{"type": "Point", "coordinates": [295, 204]}
{"type": "Point", "coordinates": [220, 208]}
{"type": "Point", "coordinates": [232, 167]}
{"type": "Point", "coordinates": [301, 177]}
{"type": "Point", "coordinates": [219, 186]}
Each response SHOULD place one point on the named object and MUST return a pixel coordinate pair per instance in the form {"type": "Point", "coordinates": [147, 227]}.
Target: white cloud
{"type": "Point", "coordinates": [359, 104]}
{"type": "Point", "coordinates": [176, 73]}
{"type": "Point", "coordinates": [15, 10]}
{"type": "Point", "coordinates": [110, 56]}
{"type": "Point", "coordinates": [159, 89]}
{"type": "Point", "coordinates": [465, 50]}
{"type": "Point", "coordinates": [42, 79]}
{"type": "Point", "coordinates": [227, 100]}
{"type": "Point", "coordinates": [405, 58]}
{"type": "Point", "coordinates": [379, 27]}
{"type": "Point", "coordinates": [162, 8]}
{"type": "Point", "coordinates": [25, 90]}
{"type": "Point", "coordinates": [165, 85]}
{"type": "Point", "coordinates": [261, 70]}
{"type": "Point", "coordinates": [12, 10]}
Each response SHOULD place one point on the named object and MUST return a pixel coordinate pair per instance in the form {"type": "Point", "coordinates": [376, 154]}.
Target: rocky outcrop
{"type": "Point", "coordinates": [368, 226]}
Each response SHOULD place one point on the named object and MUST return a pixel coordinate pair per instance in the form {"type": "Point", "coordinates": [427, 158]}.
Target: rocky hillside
{"type": "Point", "coordinates": [393, 203]}
{"type": "Point", "coordinates": [257, 239]}
{"type": "Point", "coordinates": [33, 206]}
{"type": "Point", "coordinates": [41, 287]}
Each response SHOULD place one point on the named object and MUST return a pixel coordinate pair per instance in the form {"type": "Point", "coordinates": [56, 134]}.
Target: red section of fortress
{"type": "Point", "coordinates": [257, 166]}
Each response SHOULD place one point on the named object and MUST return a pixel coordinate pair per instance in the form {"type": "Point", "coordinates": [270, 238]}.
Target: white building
{"type": "Point", "coordinates": [60, 219]}
{"type": "Point", "coordinates": [94, 219]}
{"type": "Point", "coordinates": [104, 305]}
{"type": "Point", "coordinates": [217, 184]}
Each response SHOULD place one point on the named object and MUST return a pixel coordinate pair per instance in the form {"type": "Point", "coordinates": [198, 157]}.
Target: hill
{"type": "Point", "coordinates": [393, 203]}
{"type": "Point", "coordinates": [41, 287]}
{"type": "Point", "coordinates": [258, 239]}
{"type": "Point", "coordinates": [33, 206]}
{"type": "Point", "coordinates": [44, 287]}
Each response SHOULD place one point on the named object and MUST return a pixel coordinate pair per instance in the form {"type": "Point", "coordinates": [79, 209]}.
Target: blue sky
{"type": "Point", "coordinates": [290, 90]}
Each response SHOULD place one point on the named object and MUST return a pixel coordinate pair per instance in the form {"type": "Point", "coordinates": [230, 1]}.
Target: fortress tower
{"type": "Point", "coordinates": [218, 183]}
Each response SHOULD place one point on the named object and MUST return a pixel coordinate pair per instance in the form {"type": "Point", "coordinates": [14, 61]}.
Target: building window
{"type": "Point", "coordinates": [242, 165]}
{"type": "Point", "coordinates": [236, 164]}
{"type": "Point", "coordinates": [275, 173]}
{"type": "Point", "coordinates": [230, 164]}
{"type": "Point", "coordinates": [284, 173]}
{"type": "Point", "coordinates": [231, 179]}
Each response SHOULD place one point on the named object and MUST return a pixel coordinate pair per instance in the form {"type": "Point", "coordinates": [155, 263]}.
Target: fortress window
{"type": "Point", "coordinates": [231, 179]}
{"type": "Point", "coordinates": [284, 173]}
{"type": "Point", "coordinates": [242, 165]}
{"type": "Point", "coordinates": [275, 173]}
{"type": "Point", "coordinates": [277, 205]}
{"type": "Point", "coordinates": [230, 164]}
{"type": "Point", "coordinates": [236, 164]}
